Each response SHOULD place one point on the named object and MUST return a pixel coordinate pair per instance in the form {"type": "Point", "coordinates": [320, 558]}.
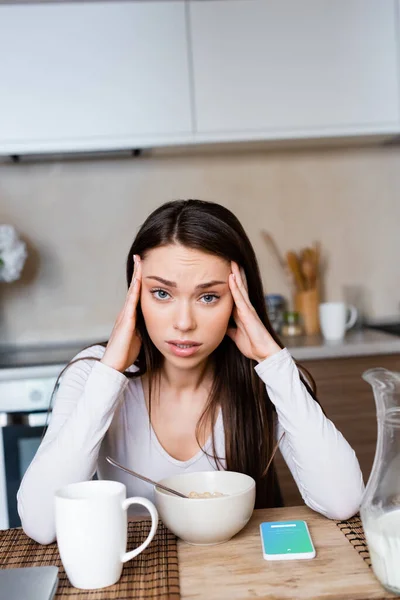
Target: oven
{"type": "Point", "coordinates": [25, 394]}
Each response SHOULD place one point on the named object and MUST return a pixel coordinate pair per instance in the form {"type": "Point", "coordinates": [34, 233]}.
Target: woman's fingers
{"type": "Point", "coordinates": [240, 278]}
{"type": "Point", "coordinates": [240, 302]}
{"type": "Point", "coordinates": [128, 297]}
{"type": "Point", "coordinates": [134, 288]}
{"type": "Point", "coordinates": [240, 283]}
{"type": "Point", "coordinates": [124, 344]}
{"type": "Point", "coordinates": [136, 262]}
{"type": "Point", "coordinates": [132, 296]}
{"type": "Point", "coordinates": [244, 279]}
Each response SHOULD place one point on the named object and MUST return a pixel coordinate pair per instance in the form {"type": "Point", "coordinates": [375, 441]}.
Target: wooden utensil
{"type": "Point", "coordinates": [269, 240]}
{"type": "Point", "coordinates": [294, 266]}
{"type": "Point", "coordinates": [143, 478]}
{"type": "Point", "coordinates": [317, 261]}
{"type": "Point", "coordinates": [308, 268]}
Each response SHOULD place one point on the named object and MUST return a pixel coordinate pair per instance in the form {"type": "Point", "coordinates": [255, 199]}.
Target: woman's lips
{"type": "Point", "coordinates": [189, 349]}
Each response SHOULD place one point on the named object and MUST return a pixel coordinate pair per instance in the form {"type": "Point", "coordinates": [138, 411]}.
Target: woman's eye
{"type": "Point", "coordinates": [161, 294]}
{"type": "Point", "coordinates": [210, 298]}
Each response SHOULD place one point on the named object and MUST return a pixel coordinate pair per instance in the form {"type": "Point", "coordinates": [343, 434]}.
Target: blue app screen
{"type": "Point", "coordinates": [285, 537]}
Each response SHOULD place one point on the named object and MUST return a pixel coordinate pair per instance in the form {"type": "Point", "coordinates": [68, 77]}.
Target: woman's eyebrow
{"type": "Point", "coordinates": [201, 286]}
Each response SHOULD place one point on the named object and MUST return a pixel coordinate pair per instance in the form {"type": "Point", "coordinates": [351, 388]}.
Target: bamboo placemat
{"type": "Point", "coordinates": [152, 574]}
{"type": "Point", "coordinates": [353, 530]}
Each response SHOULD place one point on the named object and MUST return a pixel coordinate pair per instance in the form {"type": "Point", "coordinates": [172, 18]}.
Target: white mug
{"type": "Point", "coordinates": [336, 318]}
{"type": "Point", "coordinates": [92, 528]}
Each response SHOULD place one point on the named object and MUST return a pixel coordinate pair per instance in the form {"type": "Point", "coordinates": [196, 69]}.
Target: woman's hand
{"type": "Point", "coordinates": [124, 344]}
{"type": "Point", "coordinates": [251, 336]}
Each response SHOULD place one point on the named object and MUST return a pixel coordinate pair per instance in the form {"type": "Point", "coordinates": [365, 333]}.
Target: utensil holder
{"type": "Point", "coordinates": [306, 303]}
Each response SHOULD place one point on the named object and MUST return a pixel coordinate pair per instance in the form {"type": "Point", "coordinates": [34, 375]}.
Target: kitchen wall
{"type": "Point", "coordinates": [79, 219]}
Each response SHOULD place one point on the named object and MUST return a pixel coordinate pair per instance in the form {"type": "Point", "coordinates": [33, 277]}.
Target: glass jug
{"type": "Point", "coordinates": [380, 507]}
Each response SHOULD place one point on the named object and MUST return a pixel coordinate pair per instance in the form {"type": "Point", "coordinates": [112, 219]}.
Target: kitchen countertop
{"type": "Point", "coordinates": [365, 342]}
{"type": "Point", "coordinates": [236, 569]}
{"type": "Point", "coordinates": [362, 342]}
{"type": "Point", "coordinates": [39, 355]}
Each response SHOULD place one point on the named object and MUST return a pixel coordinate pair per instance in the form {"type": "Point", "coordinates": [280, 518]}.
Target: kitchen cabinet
{"type": "Point", "coordinates": [281, 69]}
{"type": "Point", "coordinates": [348, 401]}
{"type": "Point", "coordinates": [93, 76]}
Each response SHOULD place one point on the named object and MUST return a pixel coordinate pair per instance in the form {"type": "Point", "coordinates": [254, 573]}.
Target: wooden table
{"type": "Point", "coordinates": [237, 570]}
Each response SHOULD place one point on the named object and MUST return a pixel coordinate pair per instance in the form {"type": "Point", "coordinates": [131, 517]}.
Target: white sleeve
{"type": "Point", "coordinates": [323, 464]}
{"type": "Point", "coordinates": [85, 403]}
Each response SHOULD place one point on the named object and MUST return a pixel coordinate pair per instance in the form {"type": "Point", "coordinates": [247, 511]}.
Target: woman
{"type": "Point", "coordinates": [192, 378]}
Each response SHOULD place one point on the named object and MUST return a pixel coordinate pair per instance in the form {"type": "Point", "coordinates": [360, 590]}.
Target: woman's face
{"type": "Point", "coordinates": [186, 302]}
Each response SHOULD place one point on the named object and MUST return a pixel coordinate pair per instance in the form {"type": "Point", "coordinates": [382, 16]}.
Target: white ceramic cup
{"type": "Point", "coordinates": [91, 529]}
{"type": "Point", "coordinates": [336, 318]}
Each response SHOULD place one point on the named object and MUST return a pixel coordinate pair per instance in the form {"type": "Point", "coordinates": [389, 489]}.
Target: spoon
{"type": "Point", "coordinates": [163, 487]}
{"type": "Point", "coordinates": [170, 490]}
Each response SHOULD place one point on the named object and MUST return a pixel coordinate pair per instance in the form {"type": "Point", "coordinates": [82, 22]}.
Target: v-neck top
{"type": "Point", "coordinates": [157, 446]}
{"type": "Point", "coordinates": [132, 441]}
{"type": "Point", "coordinates": [99, 411]}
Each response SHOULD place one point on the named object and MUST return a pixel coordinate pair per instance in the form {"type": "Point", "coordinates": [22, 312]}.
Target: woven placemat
{"type": "Point", "coordinates": [152, 574]}
{"type": "Point", "coordinates": [353, 530]}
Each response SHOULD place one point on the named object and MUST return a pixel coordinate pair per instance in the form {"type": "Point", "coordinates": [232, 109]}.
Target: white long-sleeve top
{"type": "Point", "coordinates": [99, 411]}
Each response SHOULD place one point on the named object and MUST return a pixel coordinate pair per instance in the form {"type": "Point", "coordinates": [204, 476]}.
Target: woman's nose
{"type": "Point", "coordinates": [184, 317]}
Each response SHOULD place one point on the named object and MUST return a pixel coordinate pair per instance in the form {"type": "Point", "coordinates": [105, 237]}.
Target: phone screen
{"type": "Point", "coordinates": [285, 538]}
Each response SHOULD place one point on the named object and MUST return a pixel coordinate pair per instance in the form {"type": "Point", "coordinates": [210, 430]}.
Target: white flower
{"type": "Point", "coordinates": [12, 254]}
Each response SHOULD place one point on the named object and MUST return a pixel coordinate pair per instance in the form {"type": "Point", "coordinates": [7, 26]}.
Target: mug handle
{"type": "Point", "coordinates": [353, 314]}
{"type": "Point", "coordinates": [154, 524]}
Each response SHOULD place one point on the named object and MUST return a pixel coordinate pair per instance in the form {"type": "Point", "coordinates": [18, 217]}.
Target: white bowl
{"type": "Point", "coordinates": [206, 521]}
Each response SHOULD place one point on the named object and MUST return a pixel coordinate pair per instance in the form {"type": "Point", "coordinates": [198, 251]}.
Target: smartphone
{"type": "Point", "coordinates": [286, 540]}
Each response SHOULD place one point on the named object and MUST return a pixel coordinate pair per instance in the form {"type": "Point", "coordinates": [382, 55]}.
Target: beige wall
{"type": "Point", "coordinates": [79, 218]}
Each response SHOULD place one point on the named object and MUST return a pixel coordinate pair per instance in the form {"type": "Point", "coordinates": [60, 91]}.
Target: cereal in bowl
{"type": "Point", "coordinates": [206, 495]}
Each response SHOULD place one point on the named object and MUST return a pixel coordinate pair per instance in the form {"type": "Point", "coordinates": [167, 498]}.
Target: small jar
{"type": "Point", "coordinates": [291, 325]}
{"type": "Point", "coordinates": [276, 305]}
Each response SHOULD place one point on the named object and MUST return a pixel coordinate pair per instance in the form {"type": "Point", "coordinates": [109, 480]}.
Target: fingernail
{"type": "Point", "coordinates": [134, 281]}
{"type": "Point", "coordinates": [134, 258]}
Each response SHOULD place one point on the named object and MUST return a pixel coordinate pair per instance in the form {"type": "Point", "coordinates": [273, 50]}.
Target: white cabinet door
{"type": "Point", "coordinates": [103, 75]}
{"type": "Point", "coordinates": [291, 68]}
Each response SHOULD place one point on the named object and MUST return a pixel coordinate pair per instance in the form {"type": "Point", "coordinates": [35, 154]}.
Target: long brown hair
{"type": "Point", "coordinates": [248, 413]}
